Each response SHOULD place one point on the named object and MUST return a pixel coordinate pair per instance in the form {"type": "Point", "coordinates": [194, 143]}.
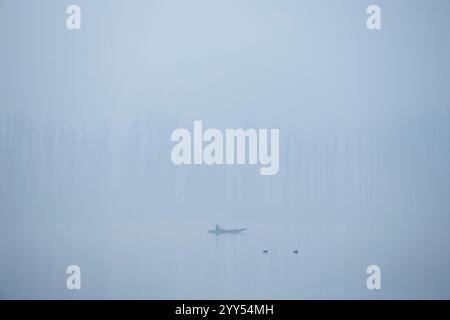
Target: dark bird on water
{"type": "Point", "coordinates": [295, 251]}
{"type": "Point", "coordinates": [265, 251]}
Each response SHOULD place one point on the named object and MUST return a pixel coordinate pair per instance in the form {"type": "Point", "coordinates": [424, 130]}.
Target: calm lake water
{"type": "Point", "coordinates": [183, 261]}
